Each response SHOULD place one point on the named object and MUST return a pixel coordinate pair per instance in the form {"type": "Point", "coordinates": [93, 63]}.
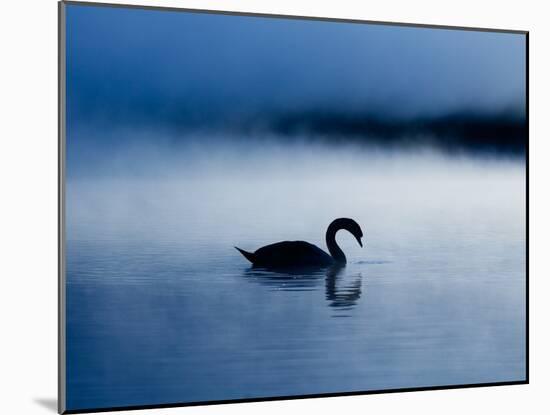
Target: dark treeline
{"type": "Point", "coordinates": [502, 134]}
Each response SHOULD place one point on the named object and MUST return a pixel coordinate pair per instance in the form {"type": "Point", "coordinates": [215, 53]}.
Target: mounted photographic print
{"type": "Point", "coordinates": [258, 207]}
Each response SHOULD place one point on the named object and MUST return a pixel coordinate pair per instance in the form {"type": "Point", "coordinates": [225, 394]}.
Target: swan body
{"type": "Point", "coordinates": [289, 254]}
{"type": "Point", "coordinates": [292, 254]}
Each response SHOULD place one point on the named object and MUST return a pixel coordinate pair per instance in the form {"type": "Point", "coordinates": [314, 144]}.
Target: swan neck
{"type": "Point", "coordinates": [335, 251]}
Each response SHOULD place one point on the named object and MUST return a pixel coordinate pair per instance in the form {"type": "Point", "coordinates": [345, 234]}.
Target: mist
{"type": "Point", "coordinates": [297, 187]}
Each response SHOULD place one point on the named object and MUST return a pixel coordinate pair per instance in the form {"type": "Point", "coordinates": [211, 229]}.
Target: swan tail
{"type": "Point", "coordinates": [248, 255]}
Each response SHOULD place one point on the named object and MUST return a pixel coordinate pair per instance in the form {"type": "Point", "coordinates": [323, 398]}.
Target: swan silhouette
{"type": "Point", "coordinates": [291, 254]}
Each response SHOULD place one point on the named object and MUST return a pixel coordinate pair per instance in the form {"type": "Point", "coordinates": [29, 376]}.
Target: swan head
{"type": "Point", "coordinates": [349, 225]}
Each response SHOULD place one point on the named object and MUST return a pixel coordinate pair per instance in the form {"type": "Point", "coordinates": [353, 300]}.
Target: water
{"type": "Point", "coordinates": [162, 309]}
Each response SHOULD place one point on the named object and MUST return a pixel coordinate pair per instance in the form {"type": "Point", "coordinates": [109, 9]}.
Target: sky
{"type": "Point", "coordinates": [152, 70]}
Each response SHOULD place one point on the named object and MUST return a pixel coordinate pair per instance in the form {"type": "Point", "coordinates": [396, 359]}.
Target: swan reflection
{"type": "Point", "coordinates": [339, 294]}
{"type": "Point", "coordinates": [341, 291]}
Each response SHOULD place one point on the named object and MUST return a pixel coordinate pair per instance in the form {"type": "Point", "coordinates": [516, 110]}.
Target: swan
{"type": "Point", "coordinates": [289, 254]}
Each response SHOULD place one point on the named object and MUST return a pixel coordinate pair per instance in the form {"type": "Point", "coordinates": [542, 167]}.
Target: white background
{"type": "Point", "coordinates": [28, 204]}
